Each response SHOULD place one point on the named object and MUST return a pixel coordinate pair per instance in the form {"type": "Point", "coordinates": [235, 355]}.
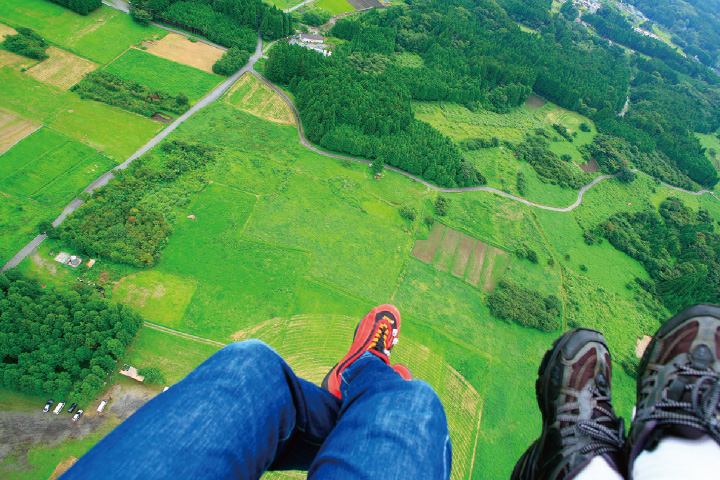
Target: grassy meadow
{"type": "Point", "coordinates": [100, 36]}
{"type": "Point", "coordinates": [163, 74]}
{"type": "Point", "coordinates": [335, 7]}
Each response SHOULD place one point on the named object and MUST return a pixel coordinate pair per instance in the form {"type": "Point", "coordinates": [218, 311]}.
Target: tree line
{"type": "Point", "coordinates": [83, 7]}
{"type": "Point", "coordinates": [57, 342]}
{"type": "Point", "coordinates": [26, 42]}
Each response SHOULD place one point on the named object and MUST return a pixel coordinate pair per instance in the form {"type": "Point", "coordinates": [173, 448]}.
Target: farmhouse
{"type": "Point", "coordinates": [311, 38]}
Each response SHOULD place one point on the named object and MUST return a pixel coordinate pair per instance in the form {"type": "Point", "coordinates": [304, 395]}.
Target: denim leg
{"type": "Point", "coordinates": [389, 428]}
{"type": "Point", "coordinates": [239, 413]}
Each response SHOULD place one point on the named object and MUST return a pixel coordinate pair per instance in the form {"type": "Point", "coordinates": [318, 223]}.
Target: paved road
{"type": "Point", "coordinates": [107, 176]}
{"type": "Point", "coordinates": [288, 10]}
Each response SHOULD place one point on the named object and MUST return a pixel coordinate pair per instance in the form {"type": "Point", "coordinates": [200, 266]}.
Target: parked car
{"type": "Point", "coordinates": [77, 415]}
{"type": "Point", "coordinates": [72, 408]}
{"type": "Point", "coordinates": [59, 408]}
{"type": "Point", "coordinates": [46, 408]}
{"type": "Point", "coordinates": [101, 407]}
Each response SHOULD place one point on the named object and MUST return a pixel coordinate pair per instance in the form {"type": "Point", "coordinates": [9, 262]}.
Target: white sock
{"type": "Point", "coordinates": [679, 458]}
{"type": "Point", "coordinates": [598, 469]}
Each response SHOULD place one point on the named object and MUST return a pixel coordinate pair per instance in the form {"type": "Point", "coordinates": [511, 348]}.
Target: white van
{"type": "Point", "coordinates": [101, 407]}
{"type": "Point", "coordinates": [59, 408]}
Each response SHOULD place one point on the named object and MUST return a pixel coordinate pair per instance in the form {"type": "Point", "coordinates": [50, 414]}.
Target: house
{"type": "Point", "coordinates": [311, 38]}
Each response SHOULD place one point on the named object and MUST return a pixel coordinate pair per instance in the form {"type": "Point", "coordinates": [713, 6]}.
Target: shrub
{"type": "Point", "coordinates": [377, 166]}
{"type": "Point", "coordinates": [442, 205]}
{"type": "Point", "coordinates": [83, 7]}
{"type": "Point", "coordinates": [532, 256]}
{"type": "Point", "coordinates": [626, 176]}
{"type": "Point", "coordinates": [521, 184]}
{"type": "Point", "coordinates": [584, 127]}
{"type": "Point", "coordinates": [315, 17]}
{"type": "Point", "coordinates": [429, 220]}
{"type": "Point", "coordinates": [152, 375]}
{"type": "Point", "coordinates": [141, 16]}
{"type": "Point", "coordinates": [408, 213]}
{"type": "Point", "coordinates": [232, 61]}
{"type": "Point", "coordinates": [26, 43]}
{"type": "Point", "coordinates": [563, 131]}
{"type": "Point", "coordinates": [583, 268]}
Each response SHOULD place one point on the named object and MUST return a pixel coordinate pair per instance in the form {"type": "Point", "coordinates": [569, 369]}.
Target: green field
{"type": "Point", "coordinates": [162, 74]}
{"type": "Point", "coordinates": [335, 7]}
{"type": "Point", "coordinates": [100, 36]}
{"type": "Point", "coordinates": [117, 133]}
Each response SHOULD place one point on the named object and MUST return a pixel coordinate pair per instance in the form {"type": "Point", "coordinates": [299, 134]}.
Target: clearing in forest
{"type": "Point", "coordinates": [163, 74]}
{"type": "Point", "coordinates": [181, 49]}
{"type": "Point", "coordinates": [534, 102]}
{"type": "Point", "coordinates": [298, 338]}
{"type": "Point", "coordinates": [335, 7]}
{"type": "Point", "coordinates": [463, 256]}
{"type": "Point", "coordinates": [13, 128]}
{"type": "Point", "coordinates": [251, 95]}
{"type": "Point", "coordinates": [62, 69]}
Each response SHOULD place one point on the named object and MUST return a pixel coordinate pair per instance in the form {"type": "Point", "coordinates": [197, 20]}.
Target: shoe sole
{"type": "Point", "coordinates": [331, 382]}
{"type": "Point", "coordinates": [568, 346]}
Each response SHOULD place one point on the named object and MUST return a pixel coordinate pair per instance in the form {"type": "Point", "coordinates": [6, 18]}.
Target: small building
{"type": "Point", "coordinates": [131, 372]}
{"type": "Point", "coordinates": [70, 260]}
{"type": "Point", "coordinates": [311, 38]}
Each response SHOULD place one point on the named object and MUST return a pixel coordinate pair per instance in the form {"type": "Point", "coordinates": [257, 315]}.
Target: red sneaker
{"type": "Point", "coordinates": [403, 371]}
{"type": "Point", "coordinates": [376, 333]}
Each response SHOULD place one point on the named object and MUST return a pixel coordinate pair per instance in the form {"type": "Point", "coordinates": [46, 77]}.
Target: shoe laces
{"type": "Point", "coordinates": [699, 404]}
{"type": "Point", "coordinates": [605, 439]}
{"type": "Point", "coordinates": [380, 340]}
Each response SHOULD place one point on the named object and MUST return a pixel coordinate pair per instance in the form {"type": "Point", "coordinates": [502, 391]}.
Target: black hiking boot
{"type": "Point", "coordinates": [579, 422]}
{"type": "Point", "coordinates": [678, 389]}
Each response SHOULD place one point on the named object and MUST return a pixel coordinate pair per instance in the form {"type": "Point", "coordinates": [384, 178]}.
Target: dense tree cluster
{"type": "Point", "coordinates": [83, 7]}
{"type": "Point", "coordinates": [232, 23]}
{"type": "Point", "coordinates": [694, 23]}
{"type": "Point", "coordinates": [59, 343]}
{"type": "Point", "coordinates": [679, 248]}
{"type": "Point", "coordinates": [315, 17]}
{"type": "Point", "coordinates": [513, 303]}
{"type": "Point", "coordinates": [548, 165]}
{"type": "Point", "coordinates": [26, 43]}
{"type": "Point", "coordinates": [129, 95]}
{"type": "Point", "coordinates": [231, 61]}
{"type": "Point", "coordinates": [121, 221]}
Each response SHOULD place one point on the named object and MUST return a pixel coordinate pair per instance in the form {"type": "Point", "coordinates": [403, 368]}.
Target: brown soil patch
{"type": "Point", "coordinates": [534, 102]}
{"type": "Point", "coordinates": [163, 118]}
{"type": "Point", "coordinates": [462, 257]}
{"type": "Point", "coordinates": [62, 467]}
{"type": "Point", "coordinates": [251, 95]}
{"type": "Point", "coordinates": [590, 167]}
{"type": "Point", "coordinates": [490, 280]}
{"type": "Point", "coordinates": [13, 128]}
{"type": "Point", "coordinates": [62, 69]}
{"type": "Point", "coordinates": [9, 59]}
{"type": "Point", "coordinates": [474, 270]}
{"type": "Point", "coordinates": [642, 345]}
{"type": "Point", "coordinates": [179, 49]}
{"type": "Point", "coordinates": [5, 30]}
{"type": "Point", "coordinates": [447, 250]}
{"type": "Point", "coordinates": [425, 249]}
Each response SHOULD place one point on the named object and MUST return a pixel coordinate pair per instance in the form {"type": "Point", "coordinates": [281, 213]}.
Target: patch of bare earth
{"type": "Point", "coordinates": [179, 49]}
{"type": "Point", "coordinates": [9, 59]}
{"type": "Point", "coordinates": [163, 118]}
{"type": "Point", "coordinates": [590, 167]}
{"type": "Point", "coordinates": [425, 249]}
{"type": "Point", "coordinates": [62, 69]}
{"type": "Point", "coordinates": [62, 467]}
{"type": "Point", "coordinates": [534, 102]}
{"type": "Point", "coordinates": [642, 345]}
{"type": "Point", "coordinates": [13, 128]}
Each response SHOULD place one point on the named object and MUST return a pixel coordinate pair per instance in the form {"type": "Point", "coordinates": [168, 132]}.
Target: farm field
{"type": "Point", "coordinates": [62, 69]}
{"type": "Point", "coordinates": [162, 74]}
{"type": "Point", "coordinates": [708, 142]}
{"type": "Point", "coordinates": [92, 123]}
{"type": "Point", "coordinates": [13, 128]}
{"type": "Point", "coordinates": [180, 49]}
{"type": "Point", "coordinates": [251, 95]}
{"type": "Point", "coordinates": [335, 7]}
{"type": "Point", "coordinates": [100, 36]}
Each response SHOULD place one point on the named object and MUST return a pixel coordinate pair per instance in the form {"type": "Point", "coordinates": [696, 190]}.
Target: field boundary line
{"type": "Point", "coordinates": [23, 138]}
{"type": "Point", "coordinates": [187, 336]}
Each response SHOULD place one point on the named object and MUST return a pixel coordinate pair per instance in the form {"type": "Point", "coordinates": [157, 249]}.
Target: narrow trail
{"type": "Point", "coordinates": [224, 87]}
{"type": "Point", "coordinates": [184, 335]}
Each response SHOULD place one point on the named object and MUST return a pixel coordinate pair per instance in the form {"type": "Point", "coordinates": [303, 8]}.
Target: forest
{"type": "Point", "coordinates": [231, 23]}
{"type": "Point", "coordinates": [130, 219]}
{"type": "Point", "coordinates": [128, 95]}
{"type": "Point", "coordinates": [83, 7]}
{"type": "Point", "coordinates": [56, 342]}
{"type": "Point", "coordinates": [680, 249]}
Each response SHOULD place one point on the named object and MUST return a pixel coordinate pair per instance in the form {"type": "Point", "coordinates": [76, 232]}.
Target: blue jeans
{"type": "Point", "coordinates": [243, 411]}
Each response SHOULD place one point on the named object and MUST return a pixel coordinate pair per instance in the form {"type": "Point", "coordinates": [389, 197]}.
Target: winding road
{"type": "Point", "coordinates": [224, 87]}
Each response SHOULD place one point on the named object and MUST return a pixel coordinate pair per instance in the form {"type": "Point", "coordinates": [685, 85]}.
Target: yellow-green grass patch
{"type": "Point", "coordinates": [13, 128]}
{"type": "Point", "coordinates": [335, 7]}
{"type": "Point", "coordinates": [251, 95]}
{"type": "Point", "coordinates": [462, 256]}
{"type": "Point", "coordinates": [459, 123]}
{"type": "Point", "coordinates": [163, 74]}
{"type": "Point", "coordinates": [159, 297]}
{"type": "Point", "coordinates": [117, 133]}
{"type": "Point", "coordinates": [445, 256]}
{"type": "Point", "coordinates": [311, 349]}
{"type": "Point", "coordinates": [474, 268]}
{"type": "Point", "coordinates": [552, 114]}
{"type": "Point", "coordinates": [408, 59]}
{"type": "Point", "coordinates": [711, 142]}
{"type": "Point", "coordinates": [99, 36]}
{"type": "Point", "coordinates": [62, 69]}
{"type": "Point", "coordinates": [495, 265]}
{"type": "Point", "coordinates": [174, 355]}
{"type": "Point", "coordinates": [179, 48]}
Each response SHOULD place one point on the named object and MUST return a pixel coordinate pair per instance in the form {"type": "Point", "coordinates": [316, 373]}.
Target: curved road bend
{"type": "Point", "coordinates": [107, 176]}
